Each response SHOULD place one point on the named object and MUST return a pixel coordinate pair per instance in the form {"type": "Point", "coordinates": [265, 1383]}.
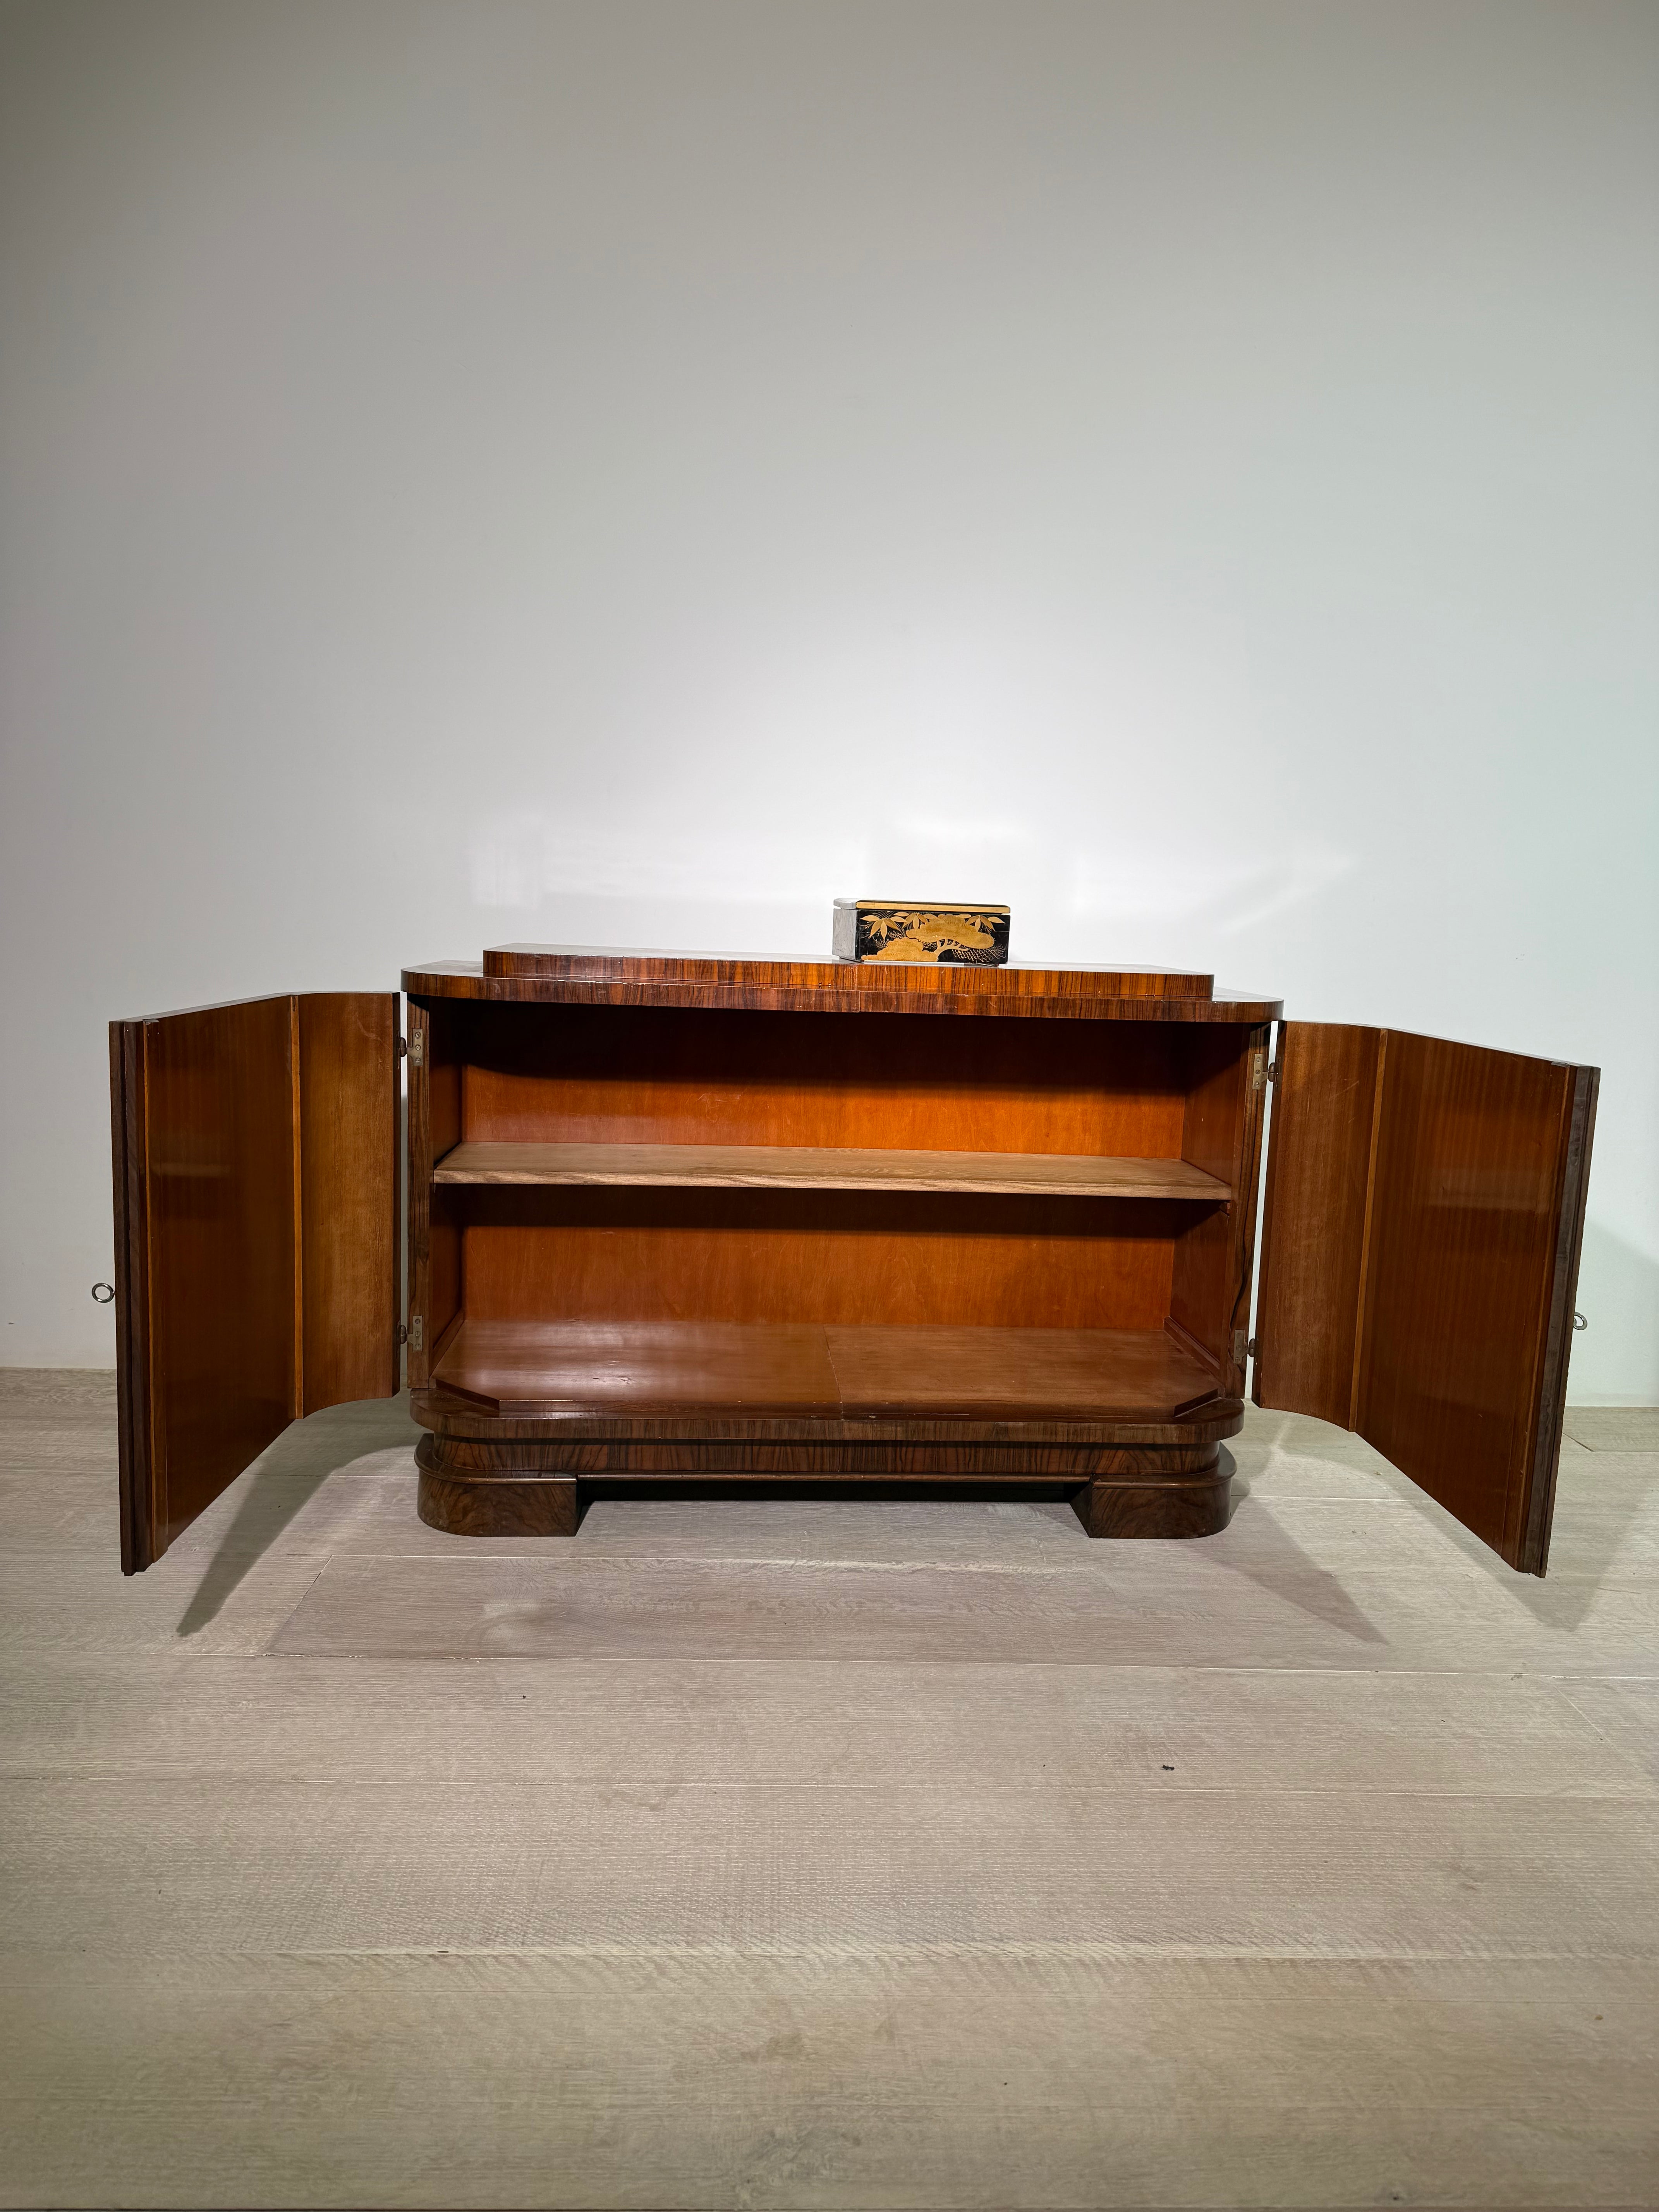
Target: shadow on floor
{"type": "Point", "coordinates": [282, 1481]}
{"type": "Point", "coordinates": [1289, 1574]}
{"type": "Point", "coordinates": [1583, 1549]}
{"type": "Point", "coordinates": [1595, 1513]}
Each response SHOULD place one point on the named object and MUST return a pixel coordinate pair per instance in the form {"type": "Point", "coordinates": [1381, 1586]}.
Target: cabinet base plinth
{"type": "Point", "coordinates": [477, 1486]}
{"type": "Point", "coordinates": [1195, 1504]}
{"type": "Point", "coordinates": [499, 1505]}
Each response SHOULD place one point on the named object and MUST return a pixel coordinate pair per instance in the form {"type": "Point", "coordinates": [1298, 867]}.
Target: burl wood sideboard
{"type": "Point", "coordinates": [673, 1218]}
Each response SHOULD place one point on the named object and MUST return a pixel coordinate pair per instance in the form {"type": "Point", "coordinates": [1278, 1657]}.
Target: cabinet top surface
{"type": "Point", "coordinates": [626, 976]}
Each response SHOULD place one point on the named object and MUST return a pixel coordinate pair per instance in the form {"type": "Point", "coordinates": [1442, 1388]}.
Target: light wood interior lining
{"type": "Point", "coordinates": [652, 1076]}
{"type": "Point", "coordinates": [853, 1257]}
{"type": "Point", "coordinates": [653, 1167]}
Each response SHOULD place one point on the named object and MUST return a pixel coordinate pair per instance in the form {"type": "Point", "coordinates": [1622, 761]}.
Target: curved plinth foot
{"type": "Point", "coordinates": [1191, 1503]}
{"type": "Point", "coordinates": [494, 1504]}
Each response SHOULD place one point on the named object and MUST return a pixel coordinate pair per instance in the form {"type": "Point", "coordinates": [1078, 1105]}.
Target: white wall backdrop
{"type": "Point", "coordinates": [629, 473]}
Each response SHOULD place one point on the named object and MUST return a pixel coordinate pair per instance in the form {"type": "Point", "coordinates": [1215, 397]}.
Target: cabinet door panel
{"type": "Point", "coordinates": [1314, 1215]}
{"type": "Point", "coordinates": [236, 1130]}
{"type": "Point", "coordinates": [348, 1109]}
{"type": "Point", "coordinates": [1424, 1208]}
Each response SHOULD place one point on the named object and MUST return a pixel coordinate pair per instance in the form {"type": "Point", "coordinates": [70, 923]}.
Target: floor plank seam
{"type": "Point", "coordinates": [1012, 1951]}
{"type": "Point", "coordinates": [239, 1778]}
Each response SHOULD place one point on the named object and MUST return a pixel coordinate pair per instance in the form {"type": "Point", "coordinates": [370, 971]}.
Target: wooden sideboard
{"type": "Point", "coordinates": [674, 1218]}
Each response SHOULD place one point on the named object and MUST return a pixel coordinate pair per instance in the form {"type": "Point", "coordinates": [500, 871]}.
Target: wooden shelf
{"type": "Point", "coordinates": [616, 1373]}
{"type": "Point", "coordinates": [784, 1167]}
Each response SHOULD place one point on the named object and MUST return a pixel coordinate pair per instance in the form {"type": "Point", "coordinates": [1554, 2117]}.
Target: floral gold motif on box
{"type": "Point", "coordinates": [926, 931]}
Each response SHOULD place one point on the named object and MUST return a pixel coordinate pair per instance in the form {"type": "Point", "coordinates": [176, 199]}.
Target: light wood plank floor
{"type": "Point", "coordinates": [771, 1853]}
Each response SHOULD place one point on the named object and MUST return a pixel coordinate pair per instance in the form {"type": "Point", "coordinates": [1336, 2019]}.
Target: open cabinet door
{"type": "Point", "coordinates": [256, 1276]}
{"type": "Point", "coordinates": [1423, 1212]}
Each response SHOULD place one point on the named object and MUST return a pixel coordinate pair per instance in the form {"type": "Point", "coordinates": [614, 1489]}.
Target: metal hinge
{"type": "Point", "coordinates": [417, 1048]}
{"type": "Point", "coordinates": [402, 1334]}
{"type": "Point", "coordinates": [1272, 1071]}
{"type": "Point", "coordinates": [1258, 1070]}
{"type": "Point", "coordinates": [1250, 1347]}
{"type": "Point", "coordinates": [417, 1333]}
{"type": "Point", "coordinates": [1240, 1348]}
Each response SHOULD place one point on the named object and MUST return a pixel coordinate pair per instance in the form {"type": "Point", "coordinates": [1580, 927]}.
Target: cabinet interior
{"type": "Point", "coordinates": [643, 1207]}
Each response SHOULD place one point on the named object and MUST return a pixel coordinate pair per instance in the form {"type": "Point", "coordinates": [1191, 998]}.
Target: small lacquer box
{"type": "Point", "coordinates": [921, 929]}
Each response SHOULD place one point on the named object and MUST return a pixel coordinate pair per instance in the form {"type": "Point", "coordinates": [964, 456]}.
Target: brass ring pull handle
{"type": "Point", "coordinates": [103, 1294]}
{"type": "Point", "coordinates": [1579, 1321]}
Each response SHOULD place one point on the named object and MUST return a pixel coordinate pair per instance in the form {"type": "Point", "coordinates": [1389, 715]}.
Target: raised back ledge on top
{"type": "Point", "coordinates": [1022, 979]}
{"type": "Point", "coordinates": [600, 976]}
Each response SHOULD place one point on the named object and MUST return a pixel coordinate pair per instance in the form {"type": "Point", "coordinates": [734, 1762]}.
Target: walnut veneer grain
{"type": "Point", "coordinates": [1008, 979]}
{"type": "Point", "coordinates": [879, 994]}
